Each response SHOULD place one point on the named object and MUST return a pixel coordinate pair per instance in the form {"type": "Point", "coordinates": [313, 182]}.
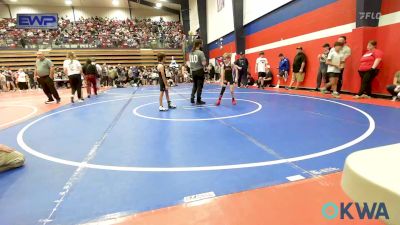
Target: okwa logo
{"type": "Point", "coordinates": [363, 211]}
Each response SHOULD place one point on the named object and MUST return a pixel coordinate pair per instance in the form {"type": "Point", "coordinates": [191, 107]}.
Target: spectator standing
{"type": "Point", "coordinates": [335, 63]}
{"type": "Point", "coordinates": [394, 89]}
{"type": "Point", "coordinates": [370, 64]}
{"type": "Point", "coordinates": [22, 80]}
{"type": "Point", "coordinates": [243, 65]}
{"type": "Point", "coordinates": [104, 75]}
{"type": "Point", "coordinates": [299, 66]}
{"type": "Point", "coordinates": [112, 75]}
{"type": "Point", "coordinates": [211, 72]}
{"type": "Point", "coordinates": [135, 72]}
{"type": "Point", "coordinates": [99, 72]}
{"type": "Point", "coordinates": [32, 82]}
{"type": "Point", "coordinates": [323, 67]}
{"type": "Point", "coordinates": [217, 70]}
{"type": "Point", "coordinates": [346, 52]}
{"type": "Point", "coordinates": [90, 72]}
{"type": "Point", "coordinates": [283, 69]}
{"type": "Point", "coordinates": [23, 42]}
{"type": "Point", "coordinates": [261, 67]}
{"type": "Point", "coordinates": [173, 68]}
{"type": "Point", "coordinates": [44, 73]}
{"type": "Point", "coordinates": [3, 83]}
{"type": "Point", "coordinates": [9, 80]}
{"type": "Point", "coordinates": [73, 69]}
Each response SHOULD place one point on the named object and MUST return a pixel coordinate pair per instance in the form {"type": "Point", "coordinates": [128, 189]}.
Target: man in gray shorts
{"type": "Point", "coordinates": [197, 63]}
{"type": "Point", "coordinates": [44, 73]}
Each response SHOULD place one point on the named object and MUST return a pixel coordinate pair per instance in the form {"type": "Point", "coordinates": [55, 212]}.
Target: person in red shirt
{"type": "Point", "coordinates": [370, 64]}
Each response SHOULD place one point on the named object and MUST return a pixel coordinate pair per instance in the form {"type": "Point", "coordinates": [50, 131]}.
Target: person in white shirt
{"type": "Point", "coordinates": [173, 63]}
{"type": "Point", "coordinates": [335, 63]}
{"type": "Point", "coordinates": [3, 82]}
{"type": "Point", "coordinates": [174, 67]}
{"type": "Point", "coordinates": [346, 53]}
{"type": "Point", "coordinates": [261, 67]}
{"type": "Point", "coordinates": [73, 69]}
{"type": "Point", "coordinates": [22, 81]}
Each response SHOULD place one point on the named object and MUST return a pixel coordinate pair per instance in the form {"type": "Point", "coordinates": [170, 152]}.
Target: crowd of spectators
{"type": "Point", "coordinates": [95, 32]}
{"type": "Point", "coordinates": [120, 76]}
{"type": "Point", "coordinates": [114, 76]}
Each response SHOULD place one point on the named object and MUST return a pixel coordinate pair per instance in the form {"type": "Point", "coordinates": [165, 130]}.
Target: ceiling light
{"type": "Point", "coordinates": [68, 2]}
{"type": "Point", "coordinates": [158, 5]}
{"type": "Point", "coordinates": [13, 0]}
{"type": "Point", "coordinates": [115, 2]}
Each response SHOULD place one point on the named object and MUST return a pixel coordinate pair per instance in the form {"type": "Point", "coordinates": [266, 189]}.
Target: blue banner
{"type": "Point", "coordinates": [37, 21]}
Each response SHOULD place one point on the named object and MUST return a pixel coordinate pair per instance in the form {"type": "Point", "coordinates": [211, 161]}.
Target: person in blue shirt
{"type": "Point", "coordinates": [283, 69]}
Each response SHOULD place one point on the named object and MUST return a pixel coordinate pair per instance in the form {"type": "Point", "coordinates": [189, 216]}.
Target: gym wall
{"type": "Point", "coordinates": [220, 23]}
{"type": "Point", "coordinates": [310, 24]}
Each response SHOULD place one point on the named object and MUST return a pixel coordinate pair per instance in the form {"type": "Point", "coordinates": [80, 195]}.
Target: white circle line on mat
{"type": "Point", "coordinates": [136, 113]}
{"type": "Point", "coordinates": [33, 108]}
{"type": "Point", "coordinates": [357, 140]}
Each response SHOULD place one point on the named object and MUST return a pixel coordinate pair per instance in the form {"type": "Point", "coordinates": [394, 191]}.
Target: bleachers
{"type": "Point", "coordinates": [15, 59]}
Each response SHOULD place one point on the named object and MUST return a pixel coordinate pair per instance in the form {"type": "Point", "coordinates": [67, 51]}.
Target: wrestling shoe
{"type": "Point", "coordinates": [162, 109]}
{"type": "Point", "coordinates": [171, 106]}
{"type": "Point", "coordinates": [335, 94]}
{"type": "Point", "coordinates": [218, 102]}
{"type": "Point", "coordinates": [366, 96]}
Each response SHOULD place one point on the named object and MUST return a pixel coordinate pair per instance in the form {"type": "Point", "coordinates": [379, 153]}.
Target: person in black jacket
{"type": "Point", "coordinates": [299, 68]}
{"type": "Point", "coordinates": [90, 72]}
{"type": "Point", "coordinates": [243, 65]}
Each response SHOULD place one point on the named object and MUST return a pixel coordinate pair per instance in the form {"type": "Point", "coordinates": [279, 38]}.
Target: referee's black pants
{"type": "Point", "coordinates": [198, 83]}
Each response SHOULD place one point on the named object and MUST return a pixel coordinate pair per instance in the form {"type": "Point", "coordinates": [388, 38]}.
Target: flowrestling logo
{"type": "Point", "coordinates": [370, 15]}
{"type": "Point", "coordinates": [37, 21]}
{"type": "Point", "coordinates": [355, 210]}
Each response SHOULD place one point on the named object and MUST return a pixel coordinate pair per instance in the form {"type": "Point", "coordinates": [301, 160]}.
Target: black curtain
{"type": "Point", "coordinates": [202, 13]}
{"type": "Point", "coordinates": [185, 16]}
{"type": "Point", "coordinates": [238, 24]}
{"type": "Point", "coordinates": [368, 12]}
